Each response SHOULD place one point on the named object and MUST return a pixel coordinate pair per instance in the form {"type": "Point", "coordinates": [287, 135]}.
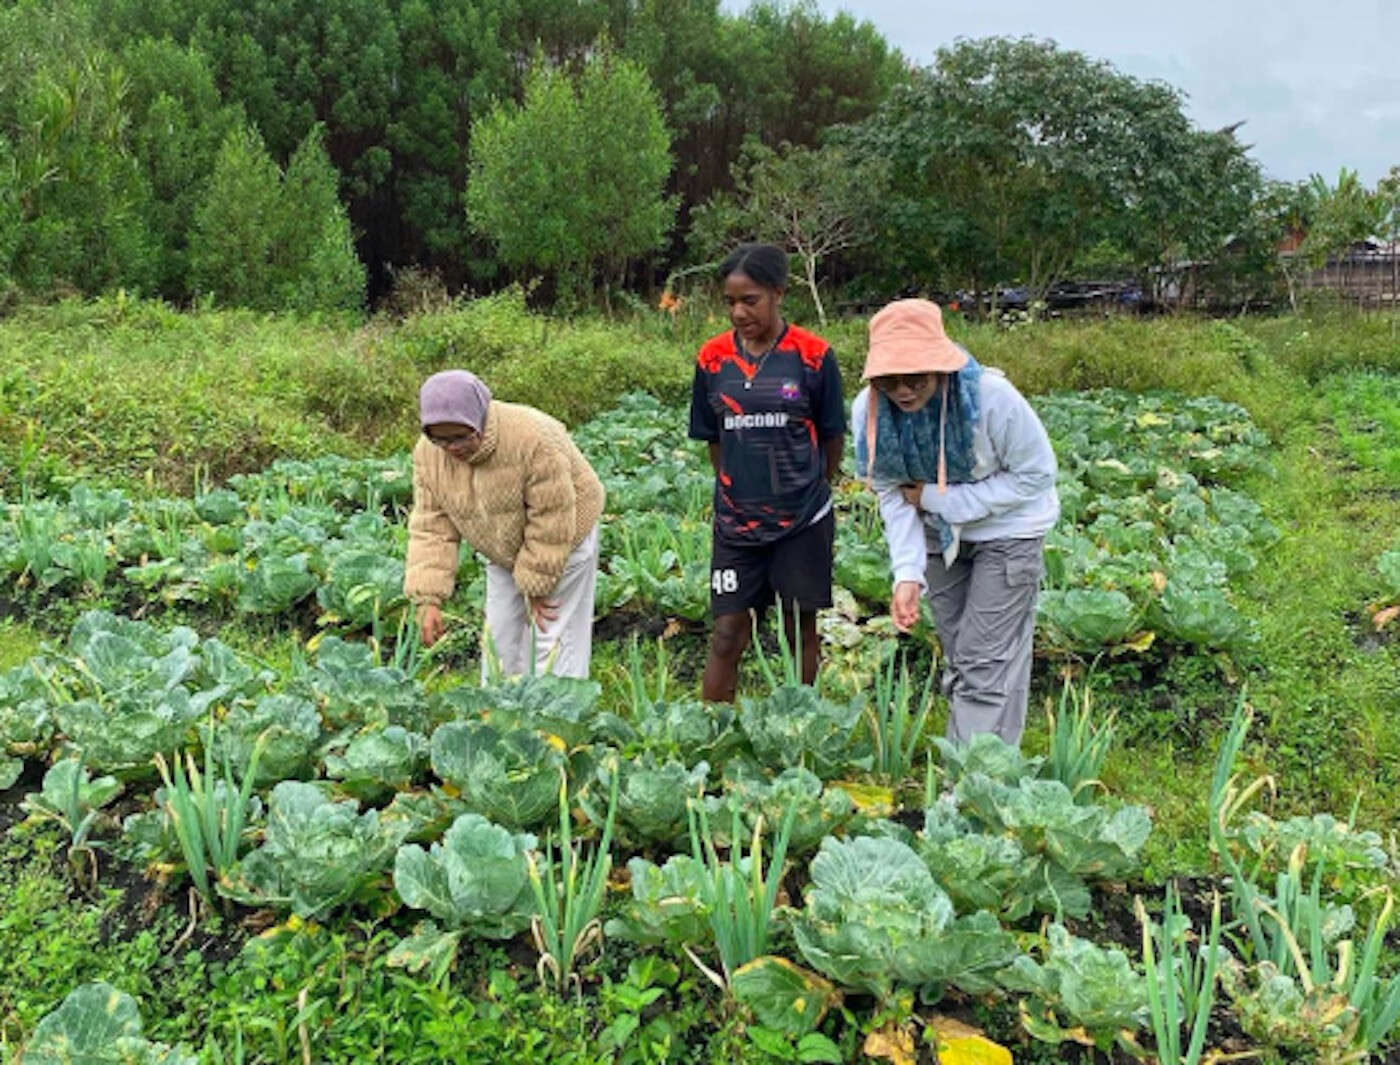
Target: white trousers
{"type": "Point", "coordinates": [565, 645]}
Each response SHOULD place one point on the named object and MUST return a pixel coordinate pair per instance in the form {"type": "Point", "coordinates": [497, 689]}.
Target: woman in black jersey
{"type": "Point", "coordinates": [767, 399]}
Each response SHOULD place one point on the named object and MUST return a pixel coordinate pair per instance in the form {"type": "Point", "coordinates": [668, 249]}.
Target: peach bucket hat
{"type": "Point", "coordinates": [907, 336]}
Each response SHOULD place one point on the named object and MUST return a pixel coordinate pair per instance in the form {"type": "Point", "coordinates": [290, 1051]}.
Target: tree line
{"type": "Point", "coordinates": [298, 153]}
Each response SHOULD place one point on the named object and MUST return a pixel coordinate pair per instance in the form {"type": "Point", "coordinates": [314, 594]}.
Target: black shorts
{"type": "Point", "coordinates": [797, 567]}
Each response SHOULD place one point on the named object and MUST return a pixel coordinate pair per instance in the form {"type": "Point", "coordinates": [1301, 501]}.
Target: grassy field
{"type": "Point", "coordinates": [136, 396]}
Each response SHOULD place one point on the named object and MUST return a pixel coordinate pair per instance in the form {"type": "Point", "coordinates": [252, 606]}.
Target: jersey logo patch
{"type": "Point", "coordinates": [770, 420]}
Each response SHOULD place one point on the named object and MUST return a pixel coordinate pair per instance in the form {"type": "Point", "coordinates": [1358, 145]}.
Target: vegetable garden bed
{"type": "Point", "coordinates": [807, 876]}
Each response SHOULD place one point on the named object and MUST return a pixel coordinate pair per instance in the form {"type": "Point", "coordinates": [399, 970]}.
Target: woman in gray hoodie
{"type": "Point", "coordinates": [965, 477]}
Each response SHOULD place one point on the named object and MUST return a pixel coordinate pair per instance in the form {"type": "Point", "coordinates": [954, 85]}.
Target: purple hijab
{"type": "Point", "coordinates": [454, 396]}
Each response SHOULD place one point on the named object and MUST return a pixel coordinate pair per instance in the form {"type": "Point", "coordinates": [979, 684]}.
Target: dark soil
{"type": "Point", "coordinates": [621, 625]}
{"type": "Point", "coordinates": [1365, 635]}
{"type": "Point", "coordinates": [30, 779]}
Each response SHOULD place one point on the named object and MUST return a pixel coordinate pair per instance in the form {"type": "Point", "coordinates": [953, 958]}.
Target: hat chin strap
{"type": "Point", "coordinates": [942, 433]}
{"type": "Point", "coordinates": [870, 431]}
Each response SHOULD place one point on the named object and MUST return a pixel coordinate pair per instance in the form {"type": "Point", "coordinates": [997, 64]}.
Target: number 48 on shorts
{"type": "Point", "coordinates": [724, 581]}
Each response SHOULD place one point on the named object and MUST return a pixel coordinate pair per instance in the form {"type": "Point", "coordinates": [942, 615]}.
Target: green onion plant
{"type": "Point", "coordinates": [569, 891]}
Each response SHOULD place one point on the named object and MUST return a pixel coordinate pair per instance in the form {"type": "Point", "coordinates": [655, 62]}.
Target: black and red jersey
{"type": "Point", "coordinates": [770, 415]}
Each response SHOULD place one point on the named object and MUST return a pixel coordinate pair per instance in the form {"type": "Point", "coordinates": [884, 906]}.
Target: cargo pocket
{"type": "Point", "coordinates": [1025, 566]}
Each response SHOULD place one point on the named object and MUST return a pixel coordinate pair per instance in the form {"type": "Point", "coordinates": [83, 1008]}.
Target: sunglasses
{"type": "Point", "coordinates": [449, 441]}
{"type": "Point", "coordinates": [915, 382]}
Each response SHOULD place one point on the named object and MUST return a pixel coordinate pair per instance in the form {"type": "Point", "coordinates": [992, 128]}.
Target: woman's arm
{"type": "Point", "coordinates": [434, 545]}
{"type": "Point", "coordinates": [1024, 455]}
{"type": "Point", "coordinates": [903, 524]}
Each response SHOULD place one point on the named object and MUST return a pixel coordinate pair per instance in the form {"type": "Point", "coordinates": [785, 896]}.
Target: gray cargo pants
{"type": "Point", "coordinates": [984, 608]}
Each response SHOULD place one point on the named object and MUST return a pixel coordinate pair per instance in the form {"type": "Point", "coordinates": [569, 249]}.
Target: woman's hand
{"type": "Point", "coordinates": [904, 605]}
{"type": "Point", "coordinates": [430, 623]}
{"type": "Point", "coordinates": [543, 609]}
{"type": "Point", "coordinates": [913, 493]}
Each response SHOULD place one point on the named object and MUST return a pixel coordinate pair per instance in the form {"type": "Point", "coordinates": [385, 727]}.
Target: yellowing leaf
{"type": "Point", "coordinates": [1159, 581]}
{"type": "Point", "coordinates": [1138, 642]}
{"type": "Point", "coordinates": [961, 1044]}
{"type": "Point", "coordinates": [1382, 618]}
{"type": "Point", "coordinates": [556, 742]}
{"type": "Point", "coordinates": [891, 1043]}
{"type": "Point", "coordinates": [1115, 465]}
{"type": "Point", "coordinates": [1148, 420]}
{"type": "Point", "coordinates": [870, 799]}
{"type": "Point", "coordinates": [783, 996]}
{"type": "Point", "coordinates": [451, 792]}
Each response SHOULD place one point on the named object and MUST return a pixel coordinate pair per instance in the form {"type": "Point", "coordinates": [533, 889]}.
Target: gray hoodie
{"type": "Point", "coordinates": [1011, 496]}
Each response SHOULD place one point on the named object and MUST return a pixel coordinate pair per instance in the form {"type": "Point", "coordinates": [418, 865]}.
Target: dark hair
{"type": "Point", "coordinates": [766, 264]}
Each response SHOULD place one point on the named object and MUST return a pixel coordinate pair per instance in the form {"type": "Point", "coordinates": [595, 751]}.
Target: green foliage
{"type": "Point", "coordinates": [26, 723]}
{"type": "Point", "coordinates": [261, 239]}
{"type": "Point", "coordinates": [379, 762]}
{"type": "Point", "coordinates": [234, 224]}
{"type": "Point", "coordinates": [796, 726]}
{"type": "Point", "coordinates": [666, 905]}
{"type": "Point", "coordinates": [896, 718]}
{"type": "Point", "coordinates": [284, 727]}
{"type": "Point", "coordinates": [475, 881]}
{"type": "Point", "coordinates": [316, 854]}
{"type": "Point", "coordinates": [1367, 411]}
{"type": "Point", "coordinates": [571, 180]}
{"type": "Point", "coordinates": [72, 798]}
{"type": "Point", "coordinates": [1181, 993]}
{"type": "Point", "coordinates": [875, 920]}
{"type": "Point", "coordinates": [569, 890]}
{"type": "Point", "coordinates": [817, 811]}
{"type": "Point", "coordinates": [783, 996]}
{"type": "Point", "coordinates": [510, 777]}
{"type": "Point", "coordinates": [1079, 744]}
{"type": "Point", "coordinates": [1013, 157]}
{"type": "Point", "coordinates": [178, 119]}
{"type": "Point", "coordinates": [208, 815]}
{"type": "Point", "coordinates": [133, 700]}
{"type": "Point", "coordinates": [566, 707]}
{"type": "Point", "coordinates": [653, 798]}
{"type": "Point", "coordinates": [737, 894]}
{"type": "Point", "coordinates": [814, 201]}
{"type": "Point", "coordinates": [97, 1024]}
{"type": "Point", "coordinates": [1086, 840]}
{"type": "Point", "coordinates": [77, 196]}
{"type": "Point", "coordinates": [1342, 214]}
{"type": "Point", "coordinates": [1078, 983]}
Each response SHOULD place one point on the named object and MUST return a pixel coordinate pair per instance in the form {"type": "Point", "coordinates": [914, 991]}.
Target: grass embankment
{"type": "Point", "coordinates": [134, 392]}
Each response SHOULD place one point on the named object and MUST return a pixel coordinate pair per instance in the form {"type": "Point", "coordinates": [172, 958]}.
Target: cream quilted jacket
{"type": "Point", "coordinates": [525, 500]}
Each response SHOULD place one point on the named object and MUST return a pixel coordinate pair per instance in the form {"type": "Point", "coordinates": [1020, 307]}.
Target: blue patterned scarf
{"type": "Point", "coordinates": [907, 445]}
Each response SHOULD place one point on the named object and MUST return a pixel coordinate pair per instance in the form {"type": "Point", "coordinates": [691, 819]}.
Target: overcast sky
{"type": "Point", "coordinates": [1318, 83]}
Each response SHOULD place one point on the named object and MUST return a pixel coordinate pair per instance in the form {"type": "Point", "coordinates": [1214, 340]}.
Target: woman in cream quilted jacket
{"type": "Point", "coordinates": [507, 480]}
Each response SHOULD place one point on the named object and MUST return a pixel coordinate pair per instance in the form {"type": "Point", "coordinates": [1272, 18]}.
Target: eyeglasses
{"type": "Point", "coordinates": [448, 441]}
{"type": "Point", "coordinates": [915, 382]}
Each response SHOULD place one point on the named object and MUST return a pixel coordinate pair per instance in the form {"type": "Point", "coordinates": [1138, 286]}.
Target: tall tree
{"type": "Point", "coordinates": [813, 201]}
{"type": "Point", "coordinates": [272, 242]}
{"type": "Point", "coordinates": [1013, 156]}
{"type": "Point", "coordinates": [78, 193]}
{"type": "Point", "coordinates": [177, 122]}
{"type": "Point", "coordinates": [235, 223]}
{"type": "Point", "coordinates": [571, 180]}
